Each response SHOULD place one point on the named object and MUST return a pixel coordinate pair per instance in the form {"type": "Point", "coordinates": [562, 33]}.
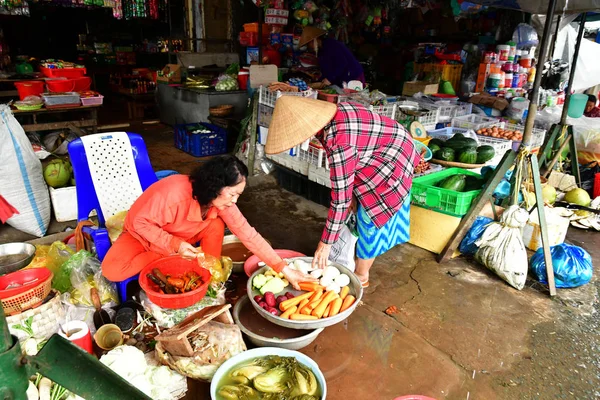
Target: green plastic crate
{"type": "Point", "coordinates": [425, 194]}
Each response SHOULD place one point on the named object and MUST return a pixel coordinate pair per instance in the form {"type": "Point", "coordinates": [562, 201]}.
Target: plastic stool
{"type": "Point", "coordinates": [122, 287]}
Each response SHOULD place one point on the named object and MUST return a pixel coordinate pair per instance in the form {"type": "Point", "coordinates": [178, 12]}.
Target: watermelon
{"type": "Point", "coordinates": [468, 156]}
{"type": "Point", "coordinates": [434, 148]}
{"type": "Point", "coordinates": [461, 143]}
{"type": "Point", "coordinates": [455, 183]}
{"type": "Point", "coordinates": [445, 154]}
{"type": "Point", "coordinates": [485, 154]}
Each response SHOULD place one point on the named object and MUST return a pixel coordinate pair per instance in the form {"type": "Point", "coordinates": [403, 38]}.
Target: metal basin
{"type": "Point", "coordinates": [263, 333]}
{"type": "Point", "coordinates": [355, 290]}
{"type": "Point", "coordinates": [14, 256]}
{"type": "Point", "coordinates": [238, 266]}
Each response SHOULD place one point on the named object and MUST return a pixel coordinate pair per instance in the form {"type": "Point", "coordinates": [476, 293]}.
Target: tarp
{"type": "Point", "coordinates": [541, 6]}
{"type": "Point", "coordinates": [587, 71]}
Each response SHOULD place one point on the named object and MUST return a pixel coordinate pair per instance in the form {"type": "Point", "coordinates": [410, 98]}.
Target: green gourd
{"type": "Point", "coordinates": [455, 183]}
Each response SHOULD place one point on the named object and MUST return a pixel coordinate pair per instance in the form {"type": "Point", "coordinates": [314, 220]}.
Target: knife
{"type": "Point", "coordinates": [575, 207]}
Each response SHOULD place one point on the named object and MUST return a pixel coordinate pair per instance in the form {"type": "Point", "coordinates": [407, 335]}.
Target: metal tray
{"type": "Point", "coordinates": [355, 290]}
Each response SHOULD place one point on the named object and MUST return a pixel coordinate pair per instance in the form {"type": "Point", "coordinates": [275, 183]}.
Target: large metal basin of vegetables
{"type": "Point", "coordinates": [355, 290]}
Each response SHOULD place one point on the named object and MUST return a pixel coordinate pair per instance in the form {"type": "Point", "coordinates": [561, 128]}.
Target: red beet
{"type": "Point", "coordinates": [270, 299]}
{"type": "Point", "coordinates": [258, 298]}
{"type": "Point", "coordinates": [273, 311]}
{"type": "Point", "coordinates": [281, 298]}
{"type": "Point", "coordinates": [290, 295]}
{"type": "Point", "coordinates": [264, 305]}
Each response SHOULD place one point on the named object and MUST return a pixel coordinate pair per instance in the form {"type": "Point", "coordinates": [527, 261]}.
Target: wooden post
{"type": "Point", "coordinates": [539, 200]}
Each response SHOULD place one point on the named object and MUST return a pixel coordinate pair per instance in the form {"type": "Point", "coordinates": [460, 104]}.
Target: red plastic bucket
{"type": "Point", "coordinates": [82, 84]}
{"type": "Point", "coordinates": [61, 85]}
{"type": "Point", "coordinates": [174, 265]}
{"type": "Point", "coordinates": [29, 88]}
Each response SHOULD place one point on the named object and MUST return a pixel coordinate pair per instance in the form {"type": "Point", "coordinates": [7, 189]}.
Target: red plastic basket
{"type": "Point", "coordinates": [174, 265]}
{"type": "Point", "coordinates": [61, 85]}
{"type": "Point", "coordinates": [35, 285]}
{"type": "Point", "coordinates": [29, 88]}
{"type": "Point", "coordinates": [63, 72]}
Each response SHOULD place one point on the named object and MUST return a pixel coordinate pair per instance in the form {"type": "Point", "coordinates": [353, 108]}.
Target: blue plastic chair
{"type": "Point", "coordinates": [109, 154]}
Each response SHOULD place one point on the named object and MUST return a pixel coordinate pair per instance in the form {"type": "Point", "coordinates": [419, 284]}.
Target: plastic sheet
{"type": "Point", "coordinates": [587, 139]}
{"type": "Point", "coordinates": [501, 247]}
{"type": "Point", "coordinates": [572, 266]}
{"type": "Point", "coordinates": [467, 245]}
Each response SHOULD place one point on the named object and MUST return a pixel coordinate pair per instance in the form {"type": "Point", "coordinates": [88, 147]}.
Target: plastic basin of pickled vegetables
{"type": "Point", "coordinates": [269, 372]}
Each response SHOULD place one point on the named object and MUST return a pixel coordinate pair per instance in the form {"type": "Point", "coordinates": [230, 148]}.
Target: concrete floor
{"type": "Point", "coordinates": [461, 332]}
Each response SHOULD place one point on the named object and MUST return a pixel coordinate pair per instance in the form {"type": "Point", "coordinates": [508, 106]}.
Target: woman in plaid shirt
{"type": "Point", "coordinates": [371, 160]}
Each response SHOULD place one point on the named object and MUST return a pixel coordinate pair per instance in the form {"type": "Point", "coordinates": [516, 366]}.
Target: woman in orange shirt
{"type": "Point", "coordinates": [180, 210]}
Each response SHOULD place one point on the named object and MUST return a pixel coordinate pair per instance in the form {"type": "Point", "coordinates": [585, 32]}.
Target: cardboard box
{"type": "Point", "coordinates": [263, 75]}
{"type": "Point", "coordinates": [482, 75]}
{"type": "Point", "coordinates": [170, 74]}
{"type": "Point", "coordinates": [485, 99]}
{"type": "Point", "coordinates": [411, 88]}
{"type": "Point", "coordinates": [557, 229]}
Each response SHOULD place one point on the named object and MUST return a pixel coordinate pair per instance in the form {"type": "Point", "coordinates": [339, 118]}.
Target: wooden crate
{"type": "Point", "coordinates": [411, 88]}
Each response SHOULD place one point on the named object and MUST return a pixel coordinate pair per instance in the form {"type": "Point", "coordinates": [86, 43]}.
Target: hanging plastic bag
{"type": "Point", "coordinates": [343, 251]}
{"type": "Point", "coordinates": [219, 269]}
{"type": "Point", "coordinates": [501, 247]}
{"type": "Point", "coordinates": [572, 266]}
{"type": "Point", "coordinates": [467, 245]}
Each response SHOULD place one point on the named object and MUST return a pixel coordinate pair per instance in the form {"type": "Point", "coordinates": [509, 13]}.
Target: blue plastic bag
{"type": "Point", "coordinates": [467, 245]}
{"type": "Point", "coordinates": [572, 265]}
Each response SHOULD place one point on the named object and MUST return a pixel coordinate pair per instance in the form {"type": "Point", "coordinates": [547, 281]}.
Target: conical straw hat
{"type": "Point", "coordinates": [310, 33]}
{"type": "Point", "coordinates": [295, 120]}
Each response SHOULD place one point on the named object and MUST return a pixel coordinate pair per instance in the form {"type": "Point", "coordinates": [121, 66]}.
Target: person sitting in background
{"type": "Point", "coordinates": [591, 111]}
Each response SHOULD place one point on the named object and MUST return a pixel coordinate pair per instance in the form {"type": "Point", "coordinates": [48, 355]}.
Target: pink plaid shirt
{"type": "Point", "coordinates": [371, 156]}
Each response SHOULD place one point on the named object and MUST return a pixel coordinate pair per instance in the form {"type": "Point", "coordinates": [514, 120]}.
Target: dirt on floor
{"type": "Point", "coordinates": [459, 331]}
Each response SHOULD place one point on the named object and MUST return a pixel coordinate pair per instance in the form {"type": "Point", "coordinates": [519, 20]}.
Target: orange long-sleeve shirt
{"type": "Point", "coordinates": [166, 214]}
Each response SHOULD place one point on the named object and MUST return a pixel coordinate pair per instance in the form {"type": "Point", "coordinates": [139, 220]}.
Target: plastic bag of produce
{"type": "Point", "coordinates": [114, 225]}
{"type": "Point", "coordinates": [501, 247]}
{"type": "Point", "coordinates": [572, 266]}
{"type": "Point", "coordinates": [58, 254]}
{"type": "Point", "coordinates": [587, 139]}
{"type": "Point", "coordinates": [226, 83]}
{"type": "Point", "coordinates": [87, 274]}
{"type": "Point", "coordinates": [21, 181]}
{"type": "Point", "coordinates": [467, 245]}
{"type": "Point", "coordinates": [57, 142]}
{"type": "Point", "coordinates": [213, 343]}
{"type": "Point", "coordinates": [168, 318]}
{"type": "Point", "coordinates": [344, 250]}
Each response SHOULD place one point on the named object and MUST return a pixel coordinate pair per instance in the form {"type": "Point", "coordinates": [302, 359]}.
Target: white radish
{"type": "Point", "coordinates": [32, 392]}
{"type": "Point", "coordinates": [44, 388]}
{"type": "Point", "coordinates": [332, 272]}
{"type": "Point", "coordinates": [326, 281]}
{"type": "Point", "coordinates": [342, 280]}
{"type": "Point", "coordinates": [334, 287]}
{"type": "Point", "coordinates": [261, 264]}
{"type": "Point", "coordinates": [317, 273]}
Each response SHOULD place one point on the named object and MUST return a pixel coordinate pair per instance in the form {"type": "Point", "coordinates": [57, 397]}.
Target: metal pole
{"type": "Point", "coordinates": [563, 118]}
{"type": "Point", "coordinates": [551, 54]}
{"type": "Point", "coordinates": [535, 93]}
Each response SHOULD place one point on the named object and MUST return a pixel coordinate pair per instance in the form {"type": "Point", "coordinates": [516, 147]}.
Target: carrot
{"type": "Point", "coordinates": [176, 282]}
{"type": "Point", "coordinates": [301, 306]}
{"type": "Point", "coordinates": [301, 317]}
{"type": "Point", "coordinates": [335, 307]}
{"type": "Point", "coordinates": [316, 296]}
{"type": "Point", "coordinates": [288, 312]}
{"type": "Point", "coordinates": [294, 301]}
{"type": "Point", "coordinates": [320, 308]}
{"type": "Point", "coordinates": [348, 301]}
{"type": "Point", "coordinates": [310, 286]}
{"type": "Point", "coordinates": [328, 310]}
{"type": "Point", "coordinates": [344, 292]}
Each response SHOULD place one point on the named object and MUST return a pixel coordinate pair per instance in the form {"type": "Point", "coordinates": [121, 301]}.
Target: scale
{"type": "Point", "coordinates": [63, 363]}
{"type": "Point", "coordinates": [417, 130]}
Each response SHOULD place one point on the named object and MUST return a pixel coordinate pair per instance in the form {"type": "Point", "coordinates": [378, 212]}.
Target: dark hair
{"type": "Point", "coordinates": [592, 98]}
{"type": "Point", "coordinates": [211, 177]}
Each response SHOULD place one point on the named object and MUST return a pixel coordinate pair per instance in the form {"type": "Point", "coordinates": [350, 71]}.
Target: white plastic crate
{"type": "Point", "coordinates": [291, 162]}
{"type": "Point", "coordinates": [314, 156]}
{"type": "Point", "coordinates": [473, 121]}
{"type": "Point", "coordinates": [428, 119]}
{"type": "Point", "coordinates": [319, 175]}
{"type": "Point", "coordinates": [268, 98]}
{"type": "Point", "coordinates": [64, 203]}
{"type": "Point", "coordinates": [538, 134]}
{"type": "Point", "coordinates": [387, 110]}
{"type": "Point", "coordinates": [447, 133]}
{"type": "Point", "coordinates": [265, 114]}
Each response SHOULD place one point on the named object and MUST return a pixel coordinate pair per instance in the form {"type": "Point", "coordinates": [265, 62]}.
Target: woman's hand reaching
{"type": "Point", "coordinates": [295, 277]}
{"type": "Point", "coordinates": [321, 258]}
{"type": "Point", "coordinates": [188, 252]}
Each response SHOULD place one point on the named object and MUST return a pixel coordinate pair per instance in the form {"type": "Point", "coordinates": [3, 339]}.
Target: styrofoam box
{"type": "Point", "coordinates": [263, 134]}
{"type": "Point", "coordinates": [64, 203]}
{"type": "Point", "coordinates": [557, 229]}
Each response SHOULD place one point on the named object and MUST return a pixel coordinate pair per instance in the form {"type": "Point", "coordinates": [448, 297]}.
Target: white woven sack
{"type": "Point", "coordinates": [21, 178]}
{"type": "Point", "coordinates": [46, 320]}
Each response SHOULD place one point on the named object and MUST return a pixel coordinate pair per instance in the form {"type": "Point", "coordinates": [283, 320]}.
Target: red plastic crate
{"type": "Point", "coordinates": [63, 72]}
